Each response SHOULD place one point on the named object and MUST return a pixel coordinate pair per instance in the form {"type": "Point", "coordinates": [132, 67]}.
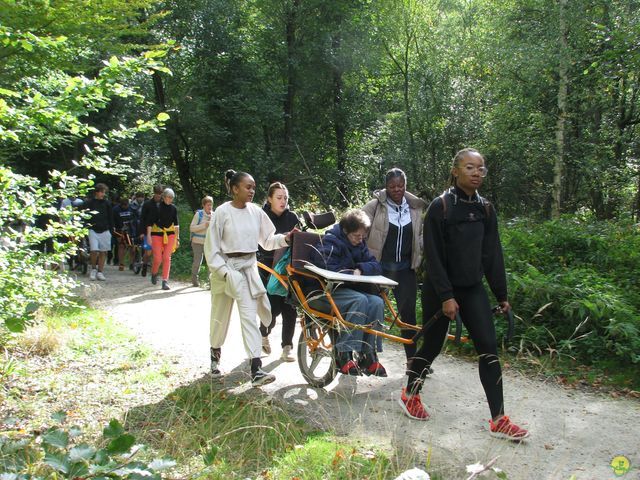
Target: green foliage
{"type": "Point", "coordinates": [573, 282]}
{"type": "Point", "coordinates": [322, 457]}
{"type": "Point", "coordinates": [57, 452]}
{"type": "Point", "coordinates": [44, 108]}
{"type": "Point", "coordinates": [27, 280]}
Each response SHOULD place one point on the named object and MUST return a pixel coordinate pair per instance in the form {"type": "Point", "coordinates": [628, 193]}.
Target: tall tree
{"type": "Point", "coordinates": [563, 82]}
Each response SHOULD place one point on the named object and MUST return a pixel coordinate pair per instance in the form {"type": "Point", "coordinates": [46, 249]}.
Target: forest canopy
{"type": "Point", "coordinates": [326, 95]}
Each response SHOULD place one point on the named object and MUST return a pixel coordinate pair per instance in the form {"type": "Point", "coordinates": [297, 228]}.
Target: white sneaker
{"type": "Point", "coordinates": [266, 347]}
{"type": "Point", "coordinates": [100, 276]}
{"type": "Point", "coordinates": [286, 354]}
{"type": "Point", "coordinates": [93, 274]}
{"type": "Point", "coordinates": [215, 369]}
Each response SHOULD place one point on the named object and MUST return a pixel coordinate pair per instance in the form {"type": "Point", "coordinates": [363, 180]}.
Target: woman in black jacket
{"type": "Point", "coordinates": [277, 209]}
{"type": "Point", "coordinates": [461, 245]}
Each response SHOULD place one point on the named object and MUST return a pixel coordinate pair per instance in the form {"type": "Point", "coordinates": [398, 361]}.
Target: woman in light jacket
{"type": "Point", "coordinates": [395, 239]}
{"type": "Point", "coordinates": [198, 228]}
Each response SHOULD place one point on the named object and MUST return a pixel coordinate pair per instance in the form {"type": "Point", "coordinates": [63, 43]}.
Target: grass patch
{"type": "Point", "coordinates": [323, 457]}
{"type": "Point", "coordinates": [247, 431]}
{"type": "Point", "coordinates": [97, 370]}
{"type": "Point", "coordinates": [81, 362]}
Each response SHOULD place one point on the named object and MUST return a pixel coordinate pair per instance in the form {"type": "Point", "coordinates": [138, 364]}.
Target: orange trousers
{"type": "Point", "coordinates": [162, 254]}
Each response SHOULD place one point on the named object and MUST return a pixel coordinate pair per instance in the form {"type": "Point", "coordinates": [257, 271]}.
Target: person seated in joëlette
{"type": "Point", "coordinates": [343, 249]}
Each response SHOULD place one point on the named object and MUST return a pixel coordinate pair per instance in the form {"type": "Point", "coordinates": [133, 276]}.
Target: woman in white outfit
{"type": "Point", "coordinates": [236, 229]}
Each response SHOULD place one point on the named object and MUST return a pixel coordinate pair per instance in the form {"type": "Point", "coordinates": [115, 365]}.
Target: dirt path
{"type": "Point", "coordinates": [572, 433]}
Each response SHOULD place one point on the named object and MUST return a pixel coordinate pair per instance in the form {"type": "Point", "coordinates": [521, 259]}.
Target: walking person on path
{"type": "Point", "coordinates": [100, 225]}
{"type": "Point", "coordinates": [461, 246]}
{"type": "Point", "coordinates": [277, 209]}
{"type": "Point", "coordinates": [147, 213]}
{"type": "Point", "coordinates": [124, 218]}
{"type": "Point", "coordinates": [198, 228]}
{"type": "Point", "coordinates": [395, 239]}
{"type": "Point", "coordinates": [163, 234]}
{"type": "Point", "coordinates": [236, 229]}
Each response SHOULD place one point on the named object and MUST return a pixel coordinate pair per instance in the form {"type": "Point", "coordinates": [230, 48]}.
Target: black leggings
{"type": "Point", "coordinates": [405, 294]}
{"type": "Point", "coordinates": [476, 315]}
{"type": "Point", "coordinates": [279, 305]}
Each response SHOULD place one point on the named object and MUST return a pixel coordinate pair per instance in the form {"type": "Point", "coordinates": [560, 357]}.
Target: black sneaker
{"type": "Point", "coordinates": [144, 270]}
{"type": "Point", "coordinates": [260, 377]}
{"type": "Point", "coordinates": [154, 278]}
{"type": "Point", "coordinates": [165, 285]}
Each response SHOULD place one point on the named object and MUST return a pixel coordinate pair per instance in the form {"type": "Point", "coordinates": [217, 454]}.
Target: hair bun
{"type": "Point", "coordinates": [229, 174]}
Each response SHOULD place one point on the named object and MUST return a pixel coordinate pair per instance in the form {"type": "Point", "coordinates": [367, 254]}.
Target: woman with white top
{"type": "Point", "coordinates": [198, 228]}
{"type": "Point", "coordinates": [235, 231]}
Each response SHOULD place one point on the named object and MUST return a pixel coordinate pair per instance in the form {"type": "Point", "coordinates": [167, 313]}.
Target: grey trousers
{"type": "Point", "coordinates": [198, 255]}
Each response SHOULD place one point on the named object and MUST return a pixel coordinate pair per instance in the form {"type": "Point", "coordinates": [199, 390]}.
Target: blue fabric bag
{"type": "Point", "coordinates": [274, 287]}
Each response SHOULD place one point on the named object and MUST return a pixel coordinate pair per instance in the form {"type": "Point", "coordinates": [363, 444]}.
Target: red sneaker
{"type": "Point", "coordinates": [376, 369]}
{"type": "Point", "coordinates": [503, 428]}
{"type": "Point", "coordinates": [412, 406]}
{"type": "Point", "coordinates": [350, 368]}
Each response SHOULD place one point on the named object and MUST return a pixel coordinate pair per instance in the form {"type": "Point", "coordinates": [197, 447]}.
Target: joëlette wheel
{"type": "Point", "coordinates": [316, 357]}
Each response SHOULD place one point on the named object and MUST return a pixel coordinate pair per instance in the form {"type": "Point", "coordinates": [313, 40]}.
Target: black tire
{"type": "Point", "coordinates": [317, 362]}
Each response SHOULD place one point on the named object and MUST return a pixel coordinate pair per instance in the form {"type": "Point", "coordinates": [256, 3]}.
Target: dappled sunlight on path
{"type": "Point", "coordinates": [571, 432]}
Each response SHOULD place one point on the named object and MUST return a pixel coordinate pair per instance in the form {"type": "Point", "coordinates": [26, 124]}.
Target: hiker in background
{"type": "Point", "coordinates": [277, 209]}
{"type": "Point", "coordinates": [237, 228]}
{"type": "Point", "coordinates": [136, 202]}
{"type": "Point", "coordinates": [124, 218]}
{"type": "Point", "coordinates": [112, 198]}
{"type": "Point", "coordinates": [100, 224]}
{"type": "Point", "coordinates": [198, 229]}
{"type": "Point", "coordinates": [148, 210]}
{"type": "Point", "coordinates": [163, 234]}
{"type": "Point", "coordinates": [461, 246]}
{"type": "Point", "coordinates": [395, 239]}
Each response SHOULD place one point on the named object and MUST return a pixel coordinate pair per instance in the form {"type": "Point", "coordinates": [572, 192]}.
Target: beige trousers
{"type": "Point", "coordinates": [236, 289]}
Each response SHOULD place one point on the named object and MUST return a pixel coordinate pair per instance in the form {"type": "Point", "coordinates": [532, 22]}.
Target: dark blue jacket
{"type": "Point", "coordinates": [334, 252]}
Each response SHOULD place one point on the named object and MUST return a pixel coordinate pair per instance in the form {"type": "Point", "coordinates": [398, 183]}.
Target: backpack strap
{"type": "Point", "coordinates": [200, 217]}
{"type": "Point", "coordinates": [486, 204]}
{"type": "Point", "coordinates": [449, 199]}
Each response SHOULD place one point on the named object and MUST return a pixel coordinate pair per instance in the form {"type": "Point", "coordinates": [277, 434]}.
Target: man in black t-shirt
{"type": "Point", "coordinates": [100, 225]}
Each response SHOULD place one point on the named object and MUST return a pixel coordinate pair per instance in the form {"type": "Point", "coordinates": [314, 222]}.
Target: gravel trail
{"type": "Point", "coordinates": [572, 432]}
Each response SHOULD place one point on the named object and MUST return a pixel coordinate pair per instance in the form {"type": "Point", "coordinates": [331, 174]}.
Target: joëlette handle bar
{"type": "Point", "coordinates": [458, 335]}
{"type": "Point", "coordinates": [496, 311]}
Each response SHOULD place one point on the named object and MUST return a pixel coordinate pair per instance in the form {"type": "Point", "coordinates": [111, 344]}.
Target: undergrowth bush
{"type": "Point", "coordinates": [58, 452]}
{"type": "Point", "coordinates": [574, 283]}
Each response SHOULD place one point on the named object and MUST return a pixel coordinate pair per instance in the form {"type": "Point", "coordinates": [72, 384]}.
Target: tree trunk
{"type": "Point", "coordinates": [174, 139]}
{"type": "Point", "coordinates": [636, 207]}
{"type": "Point", "coordinates": [339, 126]}
{"type": "Point", "coordinates": [290, 29]}
{"type": "Point", "coordinates": [403, 69]}
{"type": "Point", "coordinates": [407, 112]}
{"type": "Point", "coordinates": [558, 165]}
